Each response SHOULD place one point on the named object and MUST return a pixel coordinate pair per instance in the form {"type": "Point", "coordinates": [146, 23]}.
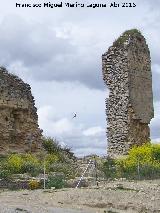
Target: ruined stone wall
{"type": "Point", "coordinates": [129, 108]}
{"type": "Point", "coordinates": [19, 130]}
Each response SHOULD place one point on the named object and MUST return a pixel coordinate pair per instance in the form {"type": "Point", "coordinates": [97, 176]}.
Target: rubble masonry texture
{"type": "Point", "coordinates": [126, 70]}
{"type": "Point", "coordinates": [19, 130]}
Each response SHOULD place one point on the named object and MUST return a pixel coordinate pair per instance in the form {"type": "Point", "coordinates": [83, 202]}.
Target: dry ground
{"type": "Point", "coordinates": [116, 196]}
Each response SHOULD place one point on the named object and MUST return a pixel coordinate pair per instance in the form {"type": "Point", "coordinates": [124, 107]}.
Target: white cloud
{"type": "Point", "coordinates": [90, 151]}
{"type": "Point", "coordinates": [155, 124]}
{"type": "Point", "coordinates": [52, 124]}
{"type": "Point", "coordinates": [156, 68]}
{"type": "Point", "coordinates": [62, 126]}
{"type": "Point", "coordinates": [157, 141]}
{"type": "Point", "coordinates": [93, 131]}
{"type": "Point", "coordinates": [56, 112]}
{"type": "Point", "coordinates": [18, 68]}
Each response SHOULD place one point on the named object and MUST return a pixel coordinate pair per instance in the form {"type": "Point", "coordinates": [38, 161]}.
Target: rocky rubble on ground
{"type": "Point", "coordinates": [118, 196]}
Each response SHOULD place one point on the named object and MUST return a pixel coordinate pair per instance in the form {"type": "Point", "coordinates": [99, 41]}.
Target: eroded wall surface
{"type": "Point", "coordinates": [126, 70]}
{"type": "Point", "coordinates": [19, 130]}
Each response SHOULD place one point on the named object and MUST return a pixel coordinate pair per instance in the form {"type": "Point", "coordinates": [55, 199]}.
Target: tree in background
{"type": "Point", "coordinates": [52, 146]}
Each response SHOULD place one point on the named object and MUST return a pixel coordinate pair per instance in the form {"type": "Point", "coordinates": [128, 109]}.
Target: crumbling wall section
{"type": "Point", "coordinates": [126, 70]}
{"type": "Point", "coordinates": [19, 130]}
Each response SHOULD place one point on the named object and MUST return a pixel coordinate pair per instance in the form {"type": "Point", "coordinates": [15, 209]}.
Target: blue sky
{"type": "Point", "coordinates": [58, 52]}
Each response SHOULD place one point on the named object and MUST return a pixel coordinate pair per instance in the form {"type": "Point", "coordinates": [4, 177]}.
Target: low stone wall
{"type": "Point", "coordinates": [14, 185]}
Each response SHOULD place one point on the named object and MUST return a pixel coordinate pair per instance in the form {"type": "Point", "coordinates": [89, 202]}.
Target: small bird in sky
{"type": "Point", "coordinates": [75, 115]}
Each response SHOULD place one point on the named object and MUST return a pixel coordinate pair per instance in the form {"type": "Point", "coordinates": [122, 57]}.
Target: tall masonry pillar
{"type": "Point", "coordinates": [126, 68]}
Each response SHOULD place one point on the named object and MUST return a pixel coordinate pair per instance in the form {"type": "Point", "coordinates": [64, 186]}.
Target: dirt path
{"type": "Point", "coordinates": [117, 197]}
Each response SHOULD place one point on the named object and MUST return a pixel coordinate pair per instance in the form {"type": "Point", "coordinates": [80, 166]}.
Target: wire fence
{"type": "Point", "coordinates": [91, 171]}
{"type": "Point", "coordinates": [137, 171]}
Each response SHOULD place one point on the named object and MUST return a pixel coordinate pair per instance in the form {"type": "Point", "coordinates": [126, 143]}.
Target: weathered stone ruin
{"type": "Point", "coordinates": [127, 73]}
{"type": "Point", "coordinates": [19, 131]}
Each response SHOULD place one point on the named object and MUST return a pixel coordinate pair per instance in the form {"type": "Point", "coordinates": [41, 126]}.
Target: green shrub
{"type": "Point", "coordinates": [67, 151]}
{"type": "Point", "coordinates": [68, 170]}
{"type": "Point", "coordinates": [4, 174]}
{"type": "Point", "coordinates": [126, 35]}
{"type": "Point", "coordinates": [23, 163]}
{"type": "Point", "coordinates": [34, 184]}
{"type": "Point", "coordinates": [14, 163]}
{"type": "Point", "coordinates": [31, 165]}
{"type": "Point", "coordinates": [126, 169]}
{"type": "Point", "coordinates": [109, 168]}
{"type": "Point", "coordinates": [142, 162]}
{"type": "Point", "coordinates": [156, 152]}
{"type": "Point", "coordinates": [51, 145]}
{"type": "Point", "coordinates": [51, 158]}
{"type": "Point", "coordinates": [55, 181]}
